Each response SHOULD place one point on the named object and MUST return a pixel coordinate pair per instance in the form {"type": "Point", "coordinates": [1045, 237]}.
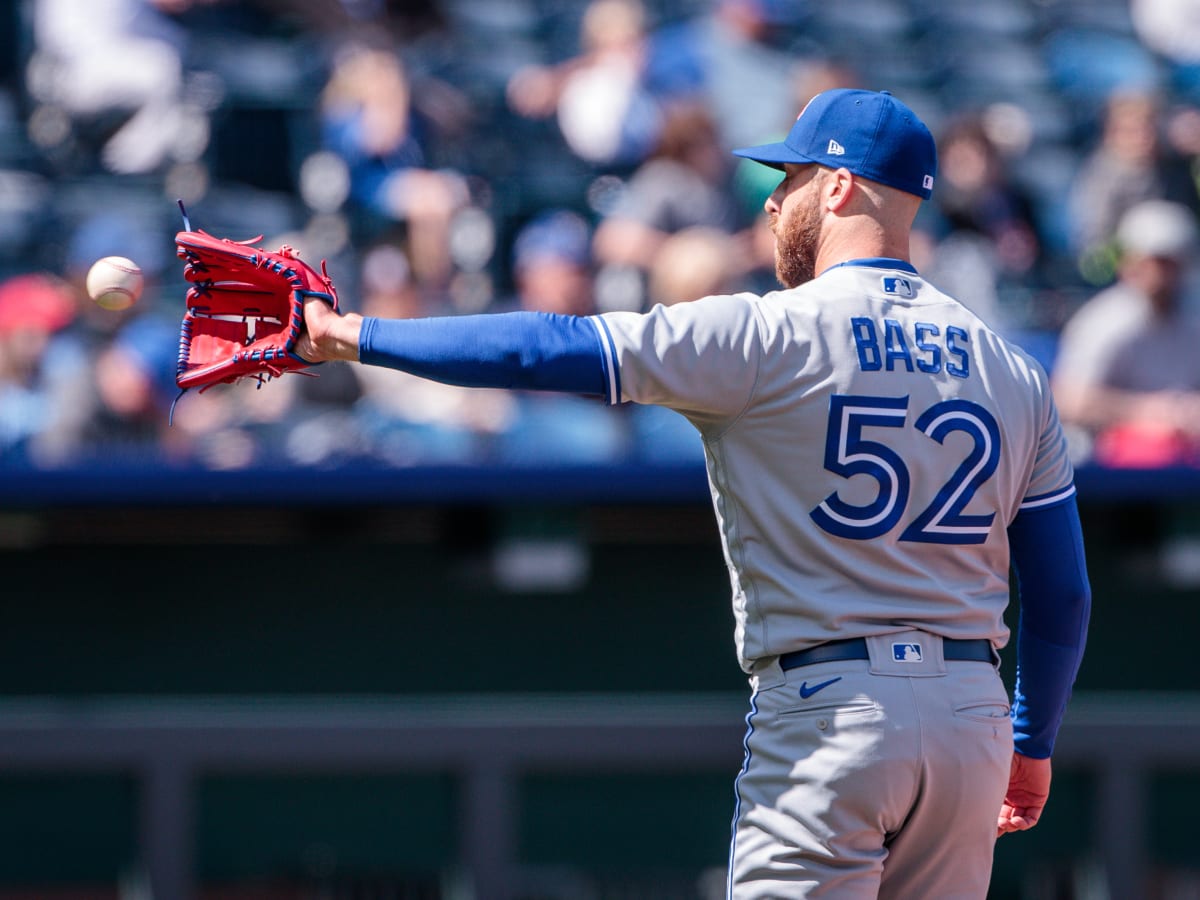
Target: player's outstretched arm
{"type": "Point", "coordinates": [1028, 789]}
{"type": "Point", "coordinates": [517, 350]}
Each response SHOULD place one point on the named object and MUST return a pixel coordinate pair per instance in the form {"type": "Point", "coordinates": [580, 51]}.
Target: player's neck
{"type": "Point", "coordinates": [848, 244]}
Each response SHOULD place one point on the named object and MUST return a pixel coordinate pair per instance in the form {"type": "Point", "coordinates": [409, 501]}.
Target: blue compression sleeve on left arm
{"type": "Point", "coordinates": [522, 350]}
{"type": "Point", "coordinates": [1056, 599]}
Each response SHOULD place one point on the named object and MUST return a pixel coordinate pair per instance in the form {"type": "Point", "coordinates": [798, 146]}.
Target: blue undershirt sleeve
{"type": "Point", "coordinates": [1047, 554]}
{"type": "Point", "coordinates": [520, 350]}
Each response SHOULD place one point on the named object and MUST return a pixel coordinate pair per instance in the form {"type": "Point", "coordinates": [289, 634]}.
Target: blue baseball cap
{"type": "Point", "coordinates": [870, 134]}
{"type": "Point", "coordinates": [557, 234]}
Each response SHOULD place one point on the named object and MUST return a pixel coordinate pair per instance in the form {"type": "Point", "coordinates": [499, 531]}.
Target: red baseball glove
{"type": "Point", "coordinates": [245, 309]}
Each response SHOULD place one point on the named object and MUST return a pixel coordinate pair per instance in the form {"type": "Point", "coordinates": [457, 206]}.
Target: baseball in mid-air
{"type": "Point", "coordinates": [115, 282]}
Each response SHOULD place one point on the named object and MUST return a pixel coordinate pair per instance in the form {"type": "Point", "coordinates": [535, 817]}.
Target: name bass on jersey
{"type": "Point", "coordinates": [922, 346]}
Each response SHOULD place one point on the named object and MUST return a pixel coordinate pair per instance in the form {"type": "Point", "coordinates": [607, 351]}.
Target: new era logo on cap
{"type": "Point", "coordinates": [878, 138]}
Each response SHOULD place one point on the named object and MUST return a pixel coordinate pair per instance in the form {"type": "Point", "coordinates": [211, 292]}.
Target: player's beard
{"type": "Point", "coordinates": [796, 241]}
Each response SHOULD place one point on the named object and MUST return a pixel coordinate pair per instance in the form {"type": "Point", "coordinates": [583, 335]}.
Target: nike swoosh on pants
{"type": "Point", "coordinates": [806, 691]}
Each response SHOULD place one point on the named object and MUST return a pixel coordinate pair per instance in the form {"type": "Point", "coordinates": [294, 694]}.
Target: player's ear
{"type": "Point", "coordinates": [839, 185]}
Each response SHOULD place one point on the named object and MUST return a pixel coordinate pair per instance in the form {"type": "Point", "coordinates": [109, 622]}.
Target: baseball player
{"type": "Point", "coordinates": [877, 457]}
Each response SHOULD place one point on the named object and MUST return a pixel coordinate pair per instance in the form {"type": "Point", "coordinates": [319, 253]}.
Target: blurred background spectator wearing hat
{"type": "Point", "coordinates": [552, 264]}
{"type": "Point", "coordinates": [1127, 374]}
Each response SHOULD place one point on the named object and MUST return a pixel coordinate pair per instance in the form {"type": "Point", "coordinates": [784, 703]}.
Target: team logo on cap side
{"type": "Point", "coordinates": [835, 149]}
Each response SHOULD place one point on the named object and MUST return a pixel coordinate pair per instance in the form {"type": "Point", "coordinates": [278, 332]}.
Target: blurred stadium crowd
{"type": "Point", "coordinates": [456, 156]}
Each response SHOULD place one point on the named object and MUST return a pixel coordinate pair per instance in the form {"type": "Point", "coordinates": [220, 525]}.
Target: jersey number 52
{"type": "Point", "coordinates": [848, 453]}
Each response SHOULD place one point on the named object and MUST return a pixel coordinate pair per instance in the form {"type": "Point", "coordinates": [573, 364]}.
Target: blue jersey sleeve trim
{"type": "Point", "coordinates": [1055, 596]}
{"type": "Point", "coordinates": [520, 350]}
{"type": "Point", "coordinates": [608, 354]}
{"type": "Point", "coordinates": [1042, 501]}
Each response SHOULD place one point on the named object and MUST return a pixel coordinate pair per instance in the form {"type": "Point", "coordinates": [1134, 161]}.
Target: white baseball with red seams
{"type": "Point", "coordinates": [115, 282]}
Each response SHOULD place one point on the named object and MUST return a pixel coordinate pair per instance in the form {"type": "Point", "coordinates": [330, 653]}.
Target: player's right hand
{"type": "Point", "coordinates": [1028, 788]}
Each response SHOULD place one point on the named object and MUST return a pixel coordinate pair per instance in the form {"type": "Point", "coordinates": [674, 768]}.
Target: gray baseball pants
{"type": "Point", "coordinates": [868, 779]}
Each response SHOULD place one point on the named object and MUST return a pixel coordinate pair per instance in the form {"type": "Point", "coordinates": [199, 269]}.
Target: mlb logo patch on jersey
{"type": "Point", "coordinates": [907, 653]}
{"type": "Point", "coordinates": [901, 287]}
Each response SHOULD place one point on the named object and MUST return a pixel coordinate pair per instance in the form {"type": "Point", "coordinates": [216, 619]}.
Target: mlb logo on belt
{"type": "Point", "coordinates": [909, 653]}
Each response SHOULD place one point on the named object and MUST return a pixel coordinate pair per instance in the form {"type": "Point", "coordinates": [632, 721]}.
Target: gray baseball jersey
{"type": "Point", "coordinates": [867, 438]}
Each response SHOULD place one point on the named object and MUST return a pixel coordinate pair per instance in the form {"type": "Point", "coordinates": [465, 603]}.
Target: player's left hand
{"type": "Point", "coordinates": [1028, 788]}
